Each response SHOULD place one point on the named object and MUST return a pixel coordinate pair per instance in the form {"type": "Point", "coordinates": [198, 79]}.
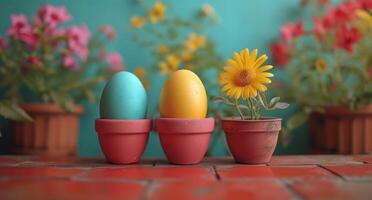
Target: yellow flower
{"type": "Point", "coordinates": [163, 49]}
{"type": "Point", "coordinates": [140, 72]}
{"type": "Point", "coordinates": [364, 22]}
{"type": "Point", "coordinates": [157, 13]}
{"type": "Point", "coordinates": [170, 65]}
{"type": "Point", "coordinates": [244, 75]}
{"type": "Point", "coordinates": [187, 56]}
{"type": "Point", "coordinates": [221, 79]}
{"type": "Point", "coordinates": [137, 22]}
{"type": "Point", "coordinates": [320, 65]}
{"type": "Point", "coordinates": [195, 42]}
{"type": "Point", "coordinates": [207, 10]}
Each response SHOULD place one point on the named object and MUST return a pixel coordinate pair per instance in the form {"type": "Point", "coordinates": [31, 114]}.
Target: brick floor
{"type": "Point", "coordinates": [285, 177]}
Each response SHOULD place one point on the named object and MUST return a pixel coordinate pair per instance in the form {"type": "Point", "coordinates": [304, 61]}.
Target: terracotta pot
{"type": "Point", "coordinates": [251, 141]}
{"type": "Point", "coordinates": [53, 132]}
{"type": "Point", "coordinates": [185, 141]}
{"type": "Point", "coordinates": [339, 130]}
{"type": "Point", "coordinates": [123, 141]}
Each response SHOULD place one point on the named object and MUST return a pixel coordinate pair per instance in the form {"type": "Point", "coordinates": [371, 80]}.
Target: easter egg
{"type": "Point", "coordinates": [123, 97]}
{"type": "Point", "coordinates": [183, 96]}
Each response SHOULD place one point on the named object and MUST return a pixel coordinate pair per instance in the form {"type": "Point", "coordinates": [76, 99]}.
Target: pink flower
{"type": "Point", "coordinates": [365, 4]}
{"type": "Point", "coordinates": [22, 30]}
{"type": "Point", "coordinates": [319, 29]}
{"type": "Point", "coordinates": [53, 16]}
{"type": "Point", "coordinates": [78, 37]}
{"type": "Point", "coordinates": [69, 62]}
{"type": "Point", "coordinates": [108, 31]}
{"type": "Point", "coordinates": [290, 31]}
{"type": "Point", "coordinates": [280, 53]}
{"type": "Point", "coordinates": [115, 61]}
{"type": "Point", "coordinates": [3, 43]}
{"type": "Point", "coordinates": [33, 60]}
{"type": "Point", "coordinates": [346, 37]}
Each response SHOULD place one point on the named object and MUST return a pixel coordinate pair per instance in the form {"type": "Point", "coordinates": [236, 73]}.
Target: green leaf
{"type": "Point", "coordinates": [261, 101]}
{"type": "Point", "coordinates": [64, 100]}
{"type": "Point", "coordinates": [297, 120]}
{"type": "Point", "coordinates": [273, 102]}
{"type": "Point", "coordinates": [281, 105]}
{"type": "Point", "coordinates": [11, 110]}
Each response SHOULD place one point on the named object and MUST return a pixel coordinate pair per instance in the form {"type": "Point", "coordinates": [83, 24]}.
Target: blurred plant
{"type": "Point", "coordinates": [331, 62]}
{"type": "Point", "coordinates": [176, 42]}
{"type": "Point", "coordinates": [244, 77]}
{"type": "Point", "coordinates": [54, 64]}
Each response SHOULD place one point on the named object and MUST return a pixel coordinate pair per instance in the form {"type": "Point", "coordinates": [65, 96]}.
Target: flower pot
{"type": "Point", "coordinates": [251, 141]}
{"type": "Point", "coordinates": [53, 131]}
{"type": "Point", "coordinates": [340, 130]}
{"type": "Point", "coordinates": [185, 141]}
{"type": "Point", "coordinates": [123, 141]}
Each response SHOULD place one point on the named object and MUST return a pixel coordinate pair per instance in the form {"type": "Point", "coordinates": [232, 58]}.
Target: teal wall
{"type": "Point", "coordinates": [244, 23]}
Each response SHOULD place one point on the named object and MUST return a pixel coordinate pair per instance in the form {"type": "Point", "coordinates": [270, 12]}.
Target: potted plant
{"type": "Point", "coordinates": [252, 139]}
{"type": "Point", "coordinates": [44, 71]}
{"type": "Point", "coordinates": [331, 63]}
{"type": "Point", "coordinates": [183, 128]}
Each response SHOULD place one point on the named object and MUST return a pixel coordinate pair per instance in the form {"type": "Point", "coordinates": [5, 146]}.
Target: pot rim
{"type": "Point", "coordinates": [263, 119]}
{"type": "Point", "coordinates": [184, 125]}
{"type": "Point", "coordinates": [50, 108]}
{"type": "Point", "coordinates": [121, 126]}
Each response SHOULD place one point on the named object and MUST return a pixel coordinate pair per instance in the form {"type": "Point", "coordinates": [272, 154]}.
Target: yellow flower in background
{"type": "Point", "coordinates": [195, 42]}
{"type": "Point", "coordinates": [244, 75]}
{"type": "Point", "coordinates": [207, 10]}
{"type": "Point", "coordinates": [140, 72]}
{"type": "Point", "coordinates": [163, 49]}
{"type": "Point", "coordinates": [170, 65]}
{"type": "Point", "coordinates": [157, 13]}
{"type": "Point", "coordinates": [364, 22]}
{"type": "Point", "coordinates": [320, 65]}
{"type": "Point", "coordinates": [187, 56]}
{"type": "Point", "coordinates": [137, 22]}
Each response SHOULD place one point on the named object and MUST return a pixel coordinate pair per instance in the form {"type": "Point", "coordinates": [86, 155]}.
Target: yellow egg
{"type": "Point", "coordinates": [183, 96]}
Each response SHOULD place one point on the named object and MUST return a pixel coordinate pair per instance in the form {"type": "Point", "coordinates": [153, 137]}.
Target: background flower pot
{"type": "Point", "coordinates": [251, 141]}
{"type": "Point", "coordinates": [185, 141]}
{"type": "Point", "coordinates": [53, 132]}
{"type": "Point", "coordinates": [339, 130]}
{"type": "Point", "coordinates": [123, 141]}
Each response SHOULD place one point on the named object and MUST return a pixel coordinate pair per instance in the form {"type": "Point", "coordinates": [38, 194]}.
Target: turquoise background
{"type": "Point", "coordinates": [243, 23]}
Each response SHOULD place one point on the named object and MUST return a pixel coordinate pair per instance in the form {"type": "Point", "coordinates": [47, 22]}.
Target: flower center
{"type": "Point", "coordinates": [243, 78]}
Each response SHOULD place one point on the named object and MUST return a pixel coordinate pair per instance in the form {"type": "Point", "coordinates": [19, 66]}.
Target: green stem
{"type": "Point", "coordinates": [237, 108]}
{"type": "Point", "coordinates": [251, 107]}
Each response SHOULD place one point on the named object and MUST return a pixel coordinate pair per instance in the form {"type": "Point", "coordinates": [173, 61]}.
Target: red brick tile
{"type": "Point", "coordinates": [9, 160]}
{"type": "Point", "coordinates": [163, 172]}
{"type": "Point", "coordinates": [326, 189]}
{"type": "Point", "coordinates": [77, 162]}
{"type": "Point", "coordinates": [352, 171]}
{"type": "Point", "coordinates": [364, 158]}
{"type": "Point", "coordinates": [38, 171]}
{"type": "Point", "coordinates": [212, 190]}
{"type": "Point", "coordinates": [312, 160]}
{"type": "Point", "coordinates": [67, 189]}
{"type": "Point", "coordinates": [273, 172]}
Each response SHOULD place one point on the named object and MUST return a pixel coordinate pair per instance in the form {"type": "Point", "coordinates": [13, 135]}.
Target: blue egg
{"type": "Point", "coordinates": [123, 97]}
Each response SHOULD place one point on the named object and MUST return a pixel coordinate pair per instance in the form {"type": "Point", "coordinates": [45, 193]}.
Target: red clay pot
{"type": "Point", "coordinates": [251, 141]}
{"type": "Point", "coordinates": [123, 141]}
{"type": "Point", "coordinates": [185, 141]}
{"type": "Point", "coordinates": [53, 132]}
